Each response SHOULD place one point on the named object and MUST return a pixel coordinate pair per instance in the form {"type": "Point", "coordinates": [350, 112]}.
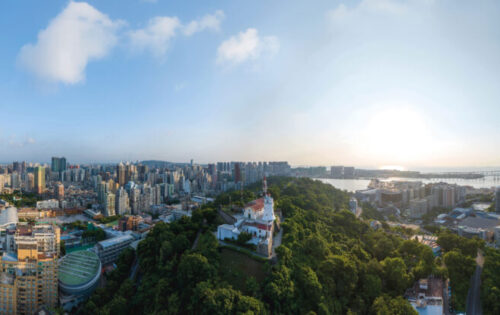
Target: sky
{"type": "Point", "coordinates": [366, 83]}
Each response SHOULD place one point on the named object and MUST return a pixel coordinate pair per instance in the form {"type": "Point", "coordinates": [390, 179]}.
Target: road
{"type": "Point", "coordinates": [473, 304]}
{"type": "Point", "coordinates": [446, 300]}
{"type": "Point", "coordinates": [229, 219]}
{"type": "Point", "coordinates": [134, 269]}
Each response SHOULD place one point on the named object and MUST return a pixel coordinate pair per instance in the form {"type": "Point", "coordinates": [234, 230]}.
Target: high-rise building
{"type": "Point", "coordinates": [60, 191]}
{"type": "Point", "coordinates": [349, 172]}
{"type": "Point", "coordinates": [131, 172]}
{"type": "Point", "coordinates": [109, 206]}
{"type": "Point", "coordinates": [237, 173]}
{"type": "Point", "coordinates": [497, 200]}
{"type": "Point", "coordinates": [15, 180]}
{"type": "Point", "coordinates": [142, 170]}
{"type": "Point", "coordinates": [134, 200]}
{"type": "Point", "coordinates": [122, 201]}
{"type": "Point", "coordinates": [337, 171]}
{"type": "Point", "coordinates": [29, 271]}
{"type": "Point", "coordinates": [448, 197]}
{"type": "Point", "coordinates": [102, 190]}
{"type": "Point", "coordinates": [29, 184]}
{"type": "Point", "coordinates": [17, 167]}
{"type": "Point", "coordinates": [212, 170]}
{"type": "Point", "coordinates": [58, 165]}
{"type": "Point", "coordinates": [39, 179]}
{"type": "Point", "coordinates": [121, 173]}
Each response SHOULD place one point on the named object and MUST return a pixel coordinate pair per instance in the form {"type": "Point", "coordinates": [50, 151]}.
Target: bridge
{"type": "Point", "coordinates": [465, 173]}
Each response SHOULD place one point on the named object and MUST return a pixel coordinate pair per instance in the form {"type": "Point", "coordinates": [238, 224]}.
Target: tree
{"type": "Point", "coordinates": [209, 300]}
{"type": "Point", "coordinates": [117, 306]}
{"type": "Point", "coordinates": [450, 241]}
{"type": "Point", "coordinates": [490, 288]}
{"type": "Point", "coordinates": [252, 287]}
{"type": "Point", "coordinates": [194, 268]}
{"type": "Point", "coordinates": [284, 254]}
{"type": "Point", "coordinates": [208, 247]}
{"type": "Point", "coordinates": [339, 276]}
{"type": "Point", "coordinates": [280, 290]}
{"type": "Point", "coordinates": [385, 305]}
{"type": "Point", "coordinates": [371, 285]}
{"type": "Point", "coordinates": [395, 275]}
{"type": "Point", "coordinates": [309, 287]}
{"type": "Point", "coordinates": [460, 269]}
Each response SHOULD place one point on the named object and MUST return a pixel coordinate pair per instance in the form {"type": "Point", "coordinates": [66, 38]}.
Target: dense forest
{"type": "Point", "coordinates": [329, 263]}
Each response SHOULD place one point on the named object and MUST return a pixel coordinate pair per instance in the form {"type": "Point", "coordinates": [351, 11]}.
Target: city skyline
{"type": "Point", "coordinates": [369, 83]}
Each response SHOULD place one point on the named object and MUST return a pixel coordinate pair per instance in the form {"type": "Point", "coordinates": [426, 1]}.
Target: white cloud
{"type": "Point", "coordinates": [375, 8]}
{"type": "Point", "coordinates": [245, 46]}
{"type": "Point", "coordinates": [14, 142]}
{"type": "Point", "coordinates": [209, 21]}
{"type": "Point", "coordinates": [79, 34]}
{"type": "Point", "coordinates": [156, 36]}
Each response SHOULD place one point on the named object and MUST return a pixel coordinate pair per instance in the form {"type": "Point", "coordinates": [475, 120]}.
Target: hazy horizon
{"type": "Point", "coordinates": [370, 82]}
{"type": "Point", "coordinates": [422, 169]}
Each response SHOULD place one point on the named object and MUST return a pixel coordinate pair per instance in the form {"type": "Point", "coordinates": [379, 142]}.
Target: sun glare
{"type": "Point", "coordinates": [398, 135]}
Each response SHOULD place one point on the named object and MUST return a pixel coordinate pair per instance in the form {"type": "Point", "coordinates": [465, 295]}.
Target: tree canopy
{"type": "Point", "coordinates": [329, 262]}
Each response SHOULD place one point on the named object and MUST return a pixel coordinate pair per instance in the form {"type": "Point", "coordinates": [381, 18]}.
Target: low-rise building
{"type": "Point", "coordinates": [79, 274]}
{"type": "Point", "coordinates": [47, 204]}
{"type": "Point", "coordinates": [426, 296]}
{"type": "Point", "coordinates": [109, 250]}
{"type": "Point", "coordinates": [429, 240]}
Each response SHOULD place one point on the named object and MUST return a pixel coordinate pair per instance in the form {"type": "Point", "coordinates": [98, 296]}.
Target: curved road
{"type": "Point", "coordinates": [473, 304]}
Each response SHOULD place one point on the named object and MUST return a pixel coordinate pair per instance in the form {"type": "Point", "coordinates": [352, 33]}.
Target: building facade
{"type": "Point", "coordinates": [28, 278]}
{"type": "Point", "coordinates": [109, 250]}
{"type": "Point", "coordinates": [39, 179]}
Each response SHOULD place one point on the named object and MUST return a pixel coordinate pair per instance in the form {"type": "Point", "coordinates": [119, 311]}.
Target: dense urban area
{"type": "Point", "coordinates": [242, 238]}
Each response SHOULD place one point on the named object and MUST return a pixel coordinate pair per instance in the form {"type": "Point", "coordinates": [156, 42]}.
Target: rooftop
{"type": "Point", "coordinates": [480, 222]}
{"type": "Point", "coordinates": [256, 205]}
{"type": "Point", "coordinates": [8, 216]}
{"type": "Point", "coordinates": [116, 240]}
{"type": "Point", "coordinates": [431, 288]}
{"type": "Point", "coordinates": [78, 268]}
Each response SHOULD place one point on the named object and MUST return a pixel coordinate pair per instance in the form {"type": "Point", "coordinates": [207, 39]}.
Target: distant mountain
{"type": "Point", "coordinates": [161, 164]}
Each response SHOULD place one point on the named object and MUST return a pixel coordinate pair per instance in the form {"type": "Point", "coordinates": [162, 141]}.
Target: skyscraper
{"type": "Point", "coordinates": [58, 165]}
{"type": "Point", "coordinates": [39, 179]}
{"type": "Point", "coordinates": [212, 170]}
{"type": "Point", "coordinates": [102, 190]}
{"type": "Point", "coordinates": [109, 206]}
{"type": "Point", "coordinates": [17, 167]}
{"type": "Point", "coordinates": [121, 173]}
{"type": "Point", "coordinates": [122, 201]}
{"type": "Point", "coordinates": [237, 173]}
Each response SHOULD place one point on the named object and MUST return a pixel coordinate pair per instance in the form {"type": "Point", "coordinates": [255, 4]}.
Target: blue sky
{"type": "Point", "coordinates": [368, 83]}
